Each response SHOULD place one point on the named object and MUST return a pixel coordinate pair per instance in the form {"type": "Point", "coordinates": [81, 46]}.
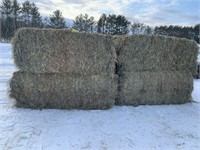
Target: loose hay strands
{"type": "Point", "coordinates": [51, 50]}
{"type": "Point", "coordinates": [157, 53]}
{"type": "Point", "coordinates": [60, 66]}
{"type": "Point", "coordinates": [63, 91]}
{"type": "Point", "coordinates": [62, 51]}
{"type": "Point", "coordinates": [139, 88]}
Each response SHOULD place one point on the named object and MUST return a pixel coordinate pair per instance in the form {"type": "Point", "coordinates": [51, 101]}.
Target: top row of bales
{"type": "Point", "coordinates": [63, 51]}
{"type": "Point", "coordinates": [156, 53]}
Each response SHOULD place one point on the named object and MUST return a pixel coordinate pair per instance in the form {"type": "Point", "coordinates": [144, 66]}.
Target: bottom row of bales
{"type": "Point", "coordinates": [72, 91]}
{"type": "Point", "coordinates": [63, 91]}
{"type": "Point", "coordinates": [140, 88]}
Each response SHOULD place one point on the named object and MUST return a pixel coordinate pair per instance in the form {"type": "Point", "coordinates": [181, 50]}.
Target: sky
{"type": "Point", "coordinates": [150, 12]}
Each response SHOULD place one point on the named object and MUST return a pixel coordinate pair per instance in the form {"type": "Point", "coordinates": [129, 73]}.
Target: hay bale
{"type": "Point", "coordinates": [157, 53]}
{"type": "Point", "coordinates": [140, 88]}
{"type": "Point", "coordinates": [53, 50]}
{"type": "Point", "coordinates": [63, 91]}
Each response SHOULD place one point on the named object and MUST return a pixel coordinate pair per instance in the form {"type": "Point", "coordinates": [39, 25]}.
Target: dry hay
{"type": "Point", "coordinates": [157, 53]}
{"type": "Point", "coordinates": [139, 88]}
{"type": "Point", "coordinates": [53, 50]}
{"type": "Point", "coordinates": [60, 69]}
{"type": "Point", "coordinates": [63, 91]}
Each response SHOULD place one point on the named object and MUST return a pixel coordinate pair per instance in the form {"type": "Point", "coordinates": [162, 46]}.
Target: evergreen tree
{"type": "Point", "coordinates": [101, 24]}
{"type": "Point", "coordinates": [26, 14]}
{"type": "Point", "coordinates": [135, 28]}
{"type": "Point", "coordinates": [140, 28]}
{"type": "Point", "coordinates": [36, 19]}
{"type": "Point", "coordinates": [112, 24]}
{"type": "Point", "coordinates": [84, 23]}
{"type": "Point", "coordinates": [6, 18]}
{"type": "Point", "coordinates": [13, 17]}
{"type": "Point", "coordinates": [15, 11]}
{"type": "Point", "coordinates": [156, 30]}
{"type": "Point", "coordinates": [121, 25]}
{"type": "Point", "coordinates": [57, 20]}
{"type": "Point", "coordinates": [148, 30]}
{"type": "Point", "coordinates": [196, 31]}
{"type": "Point", "coordinates": [179, 31]}
{"type": "Point", "coordinates": [160, 30]}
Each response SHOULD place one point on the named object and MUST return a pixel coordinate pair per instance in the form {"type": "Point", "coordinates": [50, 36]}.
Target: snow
{"type": "Point", "coordinates": [144, 127]}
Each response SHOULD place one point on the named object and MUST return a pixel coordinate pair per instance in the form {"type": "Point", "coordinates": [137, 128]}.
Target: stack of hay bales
{"type": "Point", "coordinates": [155, 69]}
{"type": "Point", "coordinates": [63, 69]}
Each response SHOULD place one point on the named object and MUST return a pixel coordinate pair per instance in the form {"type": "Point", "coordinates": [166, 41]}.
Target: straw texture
{"type": "Point", "coordinates": [62, 51]}
{"type": "Point", "coordinates": [64, 91]}
{"type": "Point", "coordinates": [147, 87]}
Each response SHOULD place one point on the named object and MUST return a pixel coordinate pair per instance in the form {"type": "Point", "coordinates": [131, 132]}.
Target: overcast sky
{"type": "Point", "coordinates": [151, 12]}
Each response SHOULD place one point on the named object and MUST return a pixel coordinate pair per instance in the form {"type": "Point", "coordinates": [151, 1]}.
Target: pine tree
{"type": "Point", "coordinates": [6, 18]}
{"type": "Point", "coordinates": [196, 31]}
{"type": "Point", "coordinates": [36, 19]}
{"type": "Point", "coordinates": [112, 24]}
{"type": "Point", "coordinates": [148, 30]}
{"type": "Point", "coordinates": [122, 25]}
{"type": "Point", "coordinates": [57, 20]}
{"type": "Point", "coordinates": [15, 11]}
{"type": "Point", "coordinates": [26, 14]}
{"type": "Point", "coordinates": [13, 17]}
{"type": "Point", "coordinates": [160, 30]}
{"type": "Point", "coordinates": [84, 23]}
{"type": "Point", "coordinates": [101, 24]}
{"type": "Point", "coordinates": [140, 28]}
{"type": "Point", "coordinates": [135, 28]}
{"type": "Point", "coordinates": [179, 31]}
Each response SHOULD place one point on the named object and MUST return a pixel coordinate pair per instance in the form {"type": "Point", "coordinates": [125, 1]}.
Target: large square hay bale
{"type": "Point", "coordinates": [53, 50]}
{"type": "Point", "coordinates": [63, 91]}
{"type": "Point", "coordinates": [157, 53]}
{"type": "Point", "coordinates": [147, 87]}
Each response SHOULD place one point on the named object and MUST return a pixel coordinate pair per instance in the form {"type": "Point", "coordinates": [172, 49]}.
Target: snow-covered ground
{"type": "Point", "coordinates": [144, 127]}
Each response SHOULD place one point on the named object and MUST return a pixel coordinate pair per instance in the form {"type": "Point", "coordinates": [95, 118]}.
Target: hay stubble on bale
{"type": "Point", "coordinates": [63, 91]}
{"type": "Point", "coordinates": [155, 69]}
{"type": "Point", "coordinates": [51, 50]}
{"type": "Point", "coordinates": [140, 88]}
{"type": "Point", "coordinates": [63, 69]}
{"type": "Point", "coordinates": [158, 53]}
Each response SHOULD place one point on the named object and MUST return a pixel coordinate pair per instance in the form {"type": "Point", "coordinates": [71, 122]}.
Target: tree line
{"type": "Point", "coordinates": [15, 16]}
